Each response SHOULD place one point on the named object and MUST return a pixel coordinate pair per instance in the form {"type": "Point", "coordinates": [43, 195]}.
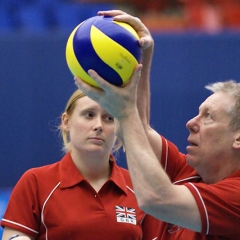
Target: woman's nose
{"type": "Point", "coordinates": [99, 128]}
{"type": "Point", "coordinates": [98, 125]}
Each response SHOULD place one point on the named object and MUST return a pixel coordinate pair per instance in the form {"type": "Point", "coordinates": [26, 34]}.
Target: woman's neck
{"type": "Point", "coordinates": [95, 169]}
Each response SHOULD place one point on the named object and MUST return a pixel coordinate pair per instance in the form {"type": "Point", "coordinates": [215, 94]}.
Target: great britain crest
{"type": "Point", "coordinates": [125, 214]}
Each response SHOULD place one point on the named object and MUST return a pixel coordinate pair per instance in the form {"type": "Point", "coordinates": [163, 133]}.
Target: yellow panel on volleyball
{"type": "Point", "coordinates": [73, 63]}
{"type": "Point", "coordinates": [113, 54]}
{"type": "Point", "coordinates": [127, 27]}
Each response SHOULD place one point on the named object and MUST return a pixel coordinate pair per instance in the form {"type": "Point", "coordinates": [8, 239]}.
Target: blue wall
{"type": "Point", "coordinates": [35, 84]}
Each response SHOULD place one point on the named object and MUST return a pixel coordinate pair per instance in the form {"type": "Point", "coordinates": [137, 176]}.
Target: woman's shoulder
{"type": "Point", "coordinates": [43, 169]}
{"type": "Point", "coordinates": [41, 174]}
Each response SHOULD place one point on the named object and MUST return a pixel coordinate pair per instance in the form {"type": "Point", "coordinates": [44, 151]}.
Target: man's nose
{"type": "Point", "coordinates": [192, 125]}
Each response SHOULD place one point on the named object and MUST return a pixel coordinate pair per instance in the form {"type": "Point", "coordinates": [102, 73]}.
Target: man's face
{"type": "Point", "coordinates": [210, 138]}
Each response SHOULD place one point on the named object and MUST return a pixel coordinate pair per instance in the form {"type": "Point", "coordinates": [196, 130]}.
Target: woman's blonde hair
{"type": "Point", "coordinates": [71, 104]}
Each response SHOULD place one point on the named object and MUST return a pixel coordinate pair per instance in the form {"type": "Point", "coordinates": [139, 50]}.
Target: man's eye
{"type": "Point", "coordinates": [208, 115]}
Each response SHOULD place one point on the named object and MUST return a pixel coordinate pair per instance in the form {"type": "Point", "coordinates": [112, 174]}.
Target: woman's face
{"type": "Point", "coordinates": [91, 128]}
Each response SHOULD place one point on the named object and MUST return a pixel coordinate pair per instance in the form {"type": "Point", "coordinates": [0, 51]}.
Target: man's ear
{"type": "Point", "coordinates": [65, 122]}
{"type": "Point", "coordinates": [236, 143]}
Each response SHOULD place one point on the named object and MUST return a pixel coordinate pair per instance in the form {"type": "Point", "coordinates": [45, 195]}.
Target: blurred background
{"type": "Point", "coordinates": [158, 15]}
{"type": "Point", "coordinates": [196, 42]}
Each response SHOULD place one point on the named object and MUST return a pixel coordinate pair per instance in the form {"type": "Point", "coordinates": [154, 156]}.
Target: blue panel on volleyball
{"type": "Point", "coordinates": [118, 34]}
{"type": "Point", "coordinates": [88, 58]}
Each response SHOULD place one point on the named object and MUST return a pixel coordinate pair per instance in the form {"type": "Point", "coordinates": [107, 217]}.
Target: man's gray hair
{"type": "Point", "coordinates": [232, 88]}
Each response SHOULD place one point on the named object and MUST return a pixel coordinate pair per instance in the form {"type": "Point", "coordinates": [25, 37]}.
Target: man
{"type": "Point", "coordinates": [196, 196]}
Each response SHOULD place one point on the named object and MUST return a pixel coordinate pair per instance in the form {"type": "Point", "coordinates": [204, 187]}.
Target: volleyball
{"type": "Point", "coordinates": [109, 47]}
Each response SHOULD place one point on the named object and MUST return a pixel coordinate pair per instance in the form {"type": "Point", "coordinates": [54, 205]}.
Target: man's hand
{"type": "Point", "coordinates": [117, 101]}
{"type": "Point", "coordinates": [145, 37]}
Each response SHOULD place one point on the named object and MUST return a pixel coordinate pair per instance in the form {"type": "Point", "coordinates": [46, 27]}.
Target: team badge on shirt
{"type": "Point", "coordinates": [126, 214]}
{"type": "Point", "coordinates": [172, 228]}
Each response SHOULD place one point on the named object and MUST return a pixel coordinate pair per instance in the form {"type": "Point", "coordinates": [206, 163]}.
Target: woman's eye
{"type": "Point", "coordinates": [110, 119]}
{"type": "Point", "coordinates": [89, 115]}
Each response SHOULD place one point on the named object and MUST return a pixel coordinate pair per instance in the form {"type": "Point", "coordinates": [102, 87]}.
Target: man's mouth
{"type": "Point", "coordinates": [192, 143]}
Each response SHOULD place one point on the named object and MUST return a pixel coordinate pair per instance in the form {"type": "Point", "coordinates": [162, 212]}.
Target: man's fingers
{"type": "Point", "coordinates": [111, 13]}
{"type": "Point", "coordinates": [87, 89]}
{"type": "Point", "coordinates": [135, 77]}
{"type": "Point", "coordinates": [144, 34]}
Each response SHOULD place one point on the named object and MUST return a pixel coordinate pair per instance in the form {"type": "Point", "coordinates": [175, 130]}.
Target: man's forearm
{"type": "Point", "coordinates": [149, 179]}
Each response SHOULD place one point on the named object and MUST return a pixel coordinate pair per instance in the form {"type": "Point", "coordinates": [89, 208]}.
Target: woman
{"type": "Point", "coordinates": [85, 195]}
